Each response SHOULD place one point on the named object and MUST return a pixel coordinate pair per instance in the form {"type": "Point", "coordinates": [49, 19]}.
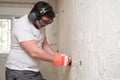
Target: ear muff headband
{"type": "Point", "coordinates": [45, 10]}
{"type": "Point", "coordinates": [35, 15]}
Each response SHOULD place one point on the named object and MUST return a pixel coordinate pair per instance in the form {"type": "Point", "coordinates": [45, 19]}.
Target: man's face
{"type": "Point", "coordinates": [44, 21]}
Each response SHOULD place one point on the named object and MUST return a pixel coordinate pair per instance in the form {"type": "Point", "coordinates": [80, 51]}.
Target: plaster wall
{"type": "Point", "coordinates": [89, 31]}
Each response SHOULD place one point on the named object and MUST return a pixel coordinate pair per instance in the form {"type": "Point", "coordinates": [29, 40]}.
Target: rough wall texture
{"type": "Point", "coordinates": [90, 33]}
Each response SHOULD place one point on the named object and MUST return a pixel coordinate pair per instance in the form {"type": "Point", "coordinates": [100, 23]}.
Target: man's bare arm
{"type": "Point", "coordinates": [47, 47]}
{"type": "Point", "coordinates": [33, 50]}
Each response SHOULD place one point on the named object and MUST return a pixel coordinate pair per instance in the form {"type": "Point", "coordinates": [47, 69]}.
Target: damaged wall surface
{"type": "Point", "coordinates": [89, 31]}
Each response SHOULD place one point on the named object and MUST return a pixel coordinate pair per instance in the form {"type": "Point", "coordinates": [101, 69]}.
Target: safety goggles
{"type": "Point", "coordinates": [45, 22]}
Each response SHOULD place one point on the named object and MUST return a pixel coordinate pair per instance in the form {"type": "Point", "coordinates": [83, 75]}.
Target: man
{"type": "Point", "coordinates": [29, 45]}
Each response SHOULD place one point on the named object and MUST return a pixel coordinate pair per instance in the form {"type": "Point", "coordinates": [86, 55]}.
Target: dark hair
{"type": "Point", "coordinates": [39, 5]}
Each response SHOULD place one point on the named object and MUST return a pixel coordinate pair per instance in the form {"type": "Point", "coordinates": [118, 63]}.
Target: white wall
{"type": "Point", "coordinates": [90, 32]}
{"type": "Point", "coordinates": [10, 11]}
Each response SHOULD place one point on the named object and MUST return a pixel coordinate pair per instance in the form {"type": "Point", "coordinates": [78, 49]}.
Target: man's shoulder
{"type": "Point", "coordinates": [22, 19]}
{"type": "Point", "coordinates": [21, 24]}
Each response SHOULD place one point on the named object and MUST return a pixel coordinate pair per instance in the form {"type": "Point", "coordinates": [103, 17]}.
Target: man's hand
{"type": "Point", "coordinates": [61, 60]}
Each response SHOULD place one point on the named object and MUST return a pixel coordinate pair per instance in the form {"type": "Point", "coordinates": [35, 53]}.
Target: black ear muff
{"type": "Point", "coordinates": [32, 16]}
{"type": "Point", "coordinates": [37, 15]}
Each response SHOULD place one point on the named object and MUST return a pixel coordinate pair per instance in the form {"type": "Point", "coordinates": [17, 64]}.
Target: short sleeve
{"type": "Point", "coordinates": [23, 33]}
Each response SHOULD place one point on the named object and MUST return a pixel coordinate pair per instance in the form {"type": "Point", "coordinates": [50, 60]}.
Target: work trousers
{"type": "Point", "coordinates": [22, 75]}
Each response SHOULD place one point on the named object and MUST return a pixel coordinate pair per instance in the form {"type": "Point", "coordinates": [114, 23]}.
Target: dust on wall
{"type": "Point", "coordinates": [89, 31]}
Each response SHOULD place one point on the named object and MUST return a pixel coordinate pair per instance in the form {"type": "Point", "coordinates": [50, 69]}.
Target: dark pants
{"type": "Point", "coordinates": [22, 75]}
